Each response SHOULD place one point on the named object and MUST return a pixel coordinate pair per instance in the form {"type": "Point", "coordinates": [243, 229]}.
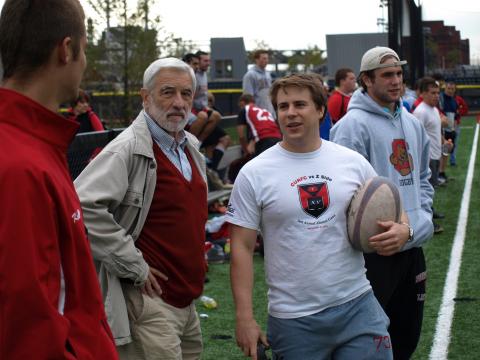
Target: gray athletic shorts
{"type": "Point", "coordinates": [354, 330]}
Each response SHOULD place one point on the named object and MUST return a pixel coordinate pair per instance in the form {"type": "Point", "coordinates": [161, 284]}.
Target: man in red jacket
{"type": "Point", "coordinates": [345, 83]}
{"type": "Point", "coordinates": [50, 301]}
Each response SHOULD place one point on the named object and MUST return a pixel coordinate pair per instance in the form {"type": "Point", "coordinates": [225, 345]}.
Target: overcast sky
{"type": "Point", "coordinates": [296, 24]}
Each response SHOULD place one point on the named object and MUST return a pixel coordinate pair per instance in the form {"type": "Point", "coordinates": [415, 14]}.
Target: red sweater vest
{"type": "Point", "coordinates": [172, 239]}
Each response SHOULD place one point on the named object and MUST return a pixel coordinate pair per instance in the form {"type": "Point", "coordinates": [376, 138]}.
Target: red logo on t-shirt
{"type": "Point", "coordinates": [314, 198]}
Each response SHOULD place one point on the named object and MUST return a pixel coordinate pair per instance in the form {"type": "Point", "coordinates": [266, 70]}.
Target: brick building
{"type": "Point", "coordinates": [444, 48]}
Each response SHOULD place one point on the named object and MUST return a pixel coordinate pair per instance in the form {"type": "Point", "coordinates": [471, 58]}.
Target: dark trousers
{"type": "Point", "coordinates": [434, 168]}
{"type": "Point", "coordinates": [398, 282]}
{"type": "Point", "coordinates": [265, 144]}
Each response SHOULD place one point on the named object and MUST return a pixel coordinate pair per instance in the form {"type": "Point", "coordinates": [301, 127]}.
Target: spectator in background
{"type": "Point", "coordinates": [211, 101]}
{"type": "Point", "coordinates": [454, 107]}
{"type": "Point", "coordinates": [212, 137]}
{"type": "Point", "coordinates": [345, 83]}
{"type": "Point", "coordinates": [50, 301]}
{"type": "Point", "coordinates": [192, 60]}
{"type": "Point", "coordinates": [448, 105]}
{"type": "Point", "coordinates": [326, 124]}
{"type": "Point", "coordinates": [462, 108]}
{"type": "Point", "coordinates": [397, 146]}
{"type": "Point", "coordinates": [405, 103]}
{"type": "Point", "coordinates": [144, 199]}
{"type": "Point", "coordinates": [199, 123]}
{"type": "Point", "coordinates": [257, 81]}
{"type": "Point", "coordinates": [408, 96]}
{"type": "Point", "coordinates": [429, 115]}
{"type": "Point", "coordinates": [257, 129]}
{"type": "Point", "coordinates": [461, 111]}
{"type": "Point", "coordinates": [418, 98]}
{"type": "Point", "coordinates": [82, 113]}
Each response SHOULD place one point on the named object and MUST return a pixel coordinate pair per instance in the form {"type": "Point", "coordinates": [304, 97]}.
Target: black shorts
{"type": "Point", "coordinates": [398, 282]}
{"type": "Point", "coordinates": [265, 144]}
{"type": "Point", "coordinates": [214, 137]}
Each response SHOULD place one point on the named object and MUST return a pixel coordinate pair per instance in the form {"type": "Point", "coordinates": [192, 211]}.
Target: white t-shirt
{"type": "Point", "coordinates": [299, 202]}
{"type": "Point", "coordinates": [429, 116]}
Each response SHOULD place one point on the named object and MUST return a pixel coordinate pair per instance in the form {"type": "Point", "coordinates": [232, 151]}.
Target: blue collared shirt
{"type": "Point", "coordinates": [173, 150]}
{"type": "Point", "coordinates": [397, 112]}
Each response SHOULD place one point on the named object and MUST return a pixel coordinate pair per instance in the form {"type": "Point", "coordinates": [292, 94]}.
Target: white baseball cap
{"type": "Point", "coordinates": [372, 59]}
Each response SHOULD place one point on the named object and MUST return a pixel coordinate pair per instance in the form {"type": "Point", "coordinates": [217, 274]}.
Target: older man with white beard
{"type": "Point", "coordinates": [144, 199]}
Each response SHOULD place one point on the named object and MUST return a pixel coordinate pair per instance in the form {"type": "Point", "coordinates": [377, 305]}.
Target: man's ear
{"type": "Point", "coordinates": [145, 94]}
{"type": "Point", "coordinates": [367, 80]}
{"type": "Point", "coordinates": [321, 112]}
{"type": "Point", "coordinates": [65, 54]}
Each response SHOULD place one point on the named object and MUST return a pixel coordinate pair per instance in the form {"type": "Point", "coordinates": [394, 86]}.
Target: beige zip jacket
{"type": "Point", "coordinates": [116, 190]}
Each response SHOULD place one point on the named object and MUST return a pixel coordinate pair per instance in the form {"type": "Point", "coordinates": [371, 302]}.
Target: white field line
{"type": "Point", "coordinates": [444, 322]}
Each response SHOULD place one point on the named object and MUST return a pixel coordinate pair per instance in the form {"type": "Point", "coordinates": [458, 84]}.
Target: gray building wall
{"type": "Point", "coordinates": [346, 50]}
{"type": "Point", "coordinates": [228, 59]}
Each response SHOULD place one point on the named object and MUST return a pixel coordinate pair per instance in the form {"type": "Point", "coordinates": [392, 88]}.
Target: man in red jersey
{"type": "Point", "coordinates": [257, 129]}
{"type": "Point", "coordinates": [145, 203]}
{"type": "Point", "coordinates": [50, 302]}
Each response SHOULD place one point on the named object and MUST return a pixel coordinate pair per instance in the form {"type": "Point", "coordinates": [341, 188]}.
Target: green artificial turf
{"type": "Point", "coordinates": [465, 342]}
{"type": "Point", "coordinates": [437, 250]}
{"type": "Point", "coordinates": [221, 321]}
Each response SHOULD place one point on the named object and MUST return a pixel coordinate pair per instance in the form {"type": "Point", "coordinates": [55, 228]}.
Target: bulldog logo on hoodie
{"type": "Point", "coordinates": [400, 158]}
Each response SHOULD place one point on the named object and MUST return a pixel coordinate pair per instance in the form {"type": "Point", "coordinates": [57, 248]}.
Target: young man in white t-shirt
{"type": "Point", "coordinates": [428, 114]}
{"type": "Point", "coordinates": [296, 193]}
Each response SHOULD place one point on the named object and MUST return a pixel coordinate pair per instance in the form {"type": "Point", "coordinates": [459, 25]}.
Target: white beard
{"type": "Point", "coordinates": [161, 118]}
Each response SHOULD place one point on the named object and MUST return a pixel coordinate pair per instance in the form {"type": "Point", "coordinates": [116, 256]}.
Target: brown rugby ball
{"type": "Point", "coordinates": [378, 199]}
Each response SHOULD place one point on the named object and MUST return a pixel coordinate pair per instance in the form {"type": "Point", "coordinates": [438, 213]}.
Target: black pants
{"type": "Point", "coordinates": [214, 137]}
{"type": "Point", "coordinates": [398, 282]}
{"type": "Point", "coordinates": [434, 168]}
{"type": "Point", "coordinates": [265, 144]}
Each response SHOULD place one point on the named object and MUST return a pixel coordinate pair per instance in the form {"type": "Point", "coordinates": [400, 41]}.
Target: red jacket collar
{"type": "Point", "coordinates": [28, 115]}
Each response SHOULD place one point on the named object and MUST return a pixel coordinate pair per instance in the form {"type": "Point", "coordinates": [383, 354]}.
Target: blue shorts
{"type": "Point", "coordinates": [354, 330]}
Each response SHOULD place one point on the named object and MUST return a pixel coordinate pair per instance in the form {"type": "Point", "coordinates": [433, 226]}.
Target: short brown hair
{"type": "Point", "coordinates": [341, 74]}
{"type": "Point", "coordinates": [258, 53]}
{"type": "Point", "coordinates": [426, 83]}
{"type": "Point", "coordinates": [246, 98]}
{"type": "Point", "coordinates": [32, 28]}
{"type": "Point", "coordinates": [310, 81]}
{"type": "Point", "coordinates": [370, 74]}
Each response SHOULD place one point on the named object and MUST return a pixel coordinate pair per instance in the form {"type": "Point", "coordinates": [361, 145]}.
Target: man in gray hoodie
{"type": "Point", "coordinates": [257, 81]}
{"type": "Point", "coordinates": [397, 146]}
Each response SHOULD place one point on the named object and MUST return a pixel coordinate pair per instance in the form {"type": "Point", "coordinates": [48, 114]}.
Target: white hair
{"type": "Point", "coordinates": [166, 63]}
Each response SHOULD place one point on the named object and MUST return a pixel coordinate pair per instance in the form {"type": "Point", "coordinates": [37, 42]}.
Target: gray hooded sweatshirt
{"type": "Point", "coordinates": [257, 82]}
{"type": "Point", "coordinates": [397, 146]}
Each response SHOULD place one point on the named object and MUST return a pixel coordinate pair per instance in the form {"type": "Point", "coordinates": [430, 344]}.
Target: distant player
{"type": "Point", "coordinates": [256, 127]}
{"type": "Point", "coordinates": [257, 81]}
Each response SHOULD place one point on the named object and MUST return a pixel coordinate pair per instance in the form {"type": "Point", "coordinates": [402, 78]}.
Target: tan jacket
{"type": "Point", "coordinates": [116, 190]}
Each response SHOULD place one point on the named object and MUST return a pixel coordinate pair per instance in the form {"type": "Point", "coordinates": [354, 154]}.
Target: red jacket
{"type": "Point", "coordinates": [337, 105]}
{"type": "Point", "coordinates": [462, 109]}
{"type": "Point", "coordinates": [43, 244]}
